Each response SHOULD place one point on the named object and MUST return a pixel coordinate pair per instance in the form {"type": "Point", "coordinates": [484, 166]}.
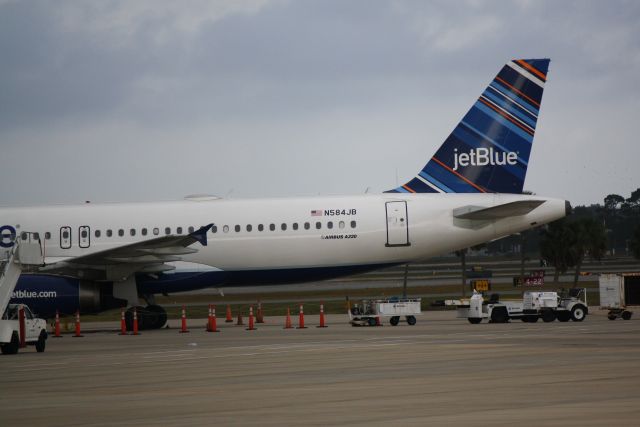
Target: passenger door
{"type": "Point", "coordinates": [397, 224]}
{"type": "Point", "coordinates": [65, 237]}
{"type": "Point", "coordinates": [84, 236]}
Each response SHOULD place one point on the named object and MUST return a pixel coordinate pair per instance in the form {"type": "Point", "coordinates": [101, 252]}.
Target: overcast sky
{"type": "Point", "coordinates": [152, 100]}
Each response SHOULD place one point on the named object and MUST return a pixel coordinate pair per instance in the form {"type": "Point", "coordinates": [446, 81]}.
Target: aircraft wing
{"type": "Point", "coordinates": [517, 208]}
{"type": "Point", "coordinates": [148, 256]}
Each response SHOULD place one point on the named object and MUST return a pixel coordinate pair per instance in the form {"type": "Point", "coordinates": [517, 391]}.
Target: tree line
{"type": "Point", "coordinates": [591, 232]}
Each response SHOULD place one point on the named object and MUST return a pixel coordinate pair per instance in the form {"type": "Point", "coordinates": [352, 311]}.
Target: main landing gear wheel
{"type": "Point", "coordinates": [149, 317]}
{"type": "Point", "coordinates": [394, 320]}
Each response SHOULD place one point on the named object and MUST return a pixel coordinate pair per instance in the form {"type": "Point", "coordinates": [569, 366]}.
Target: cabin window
{"type": "Point", "coordinates": [132, 231]}
{"type": "Point", "coordinates": [47, 235]}
{"type": "Point", "coordinates": [295, 225]}
{"type": "Point", "coordinates": [237, 228]}
{"type": "Point", "coordinates": [179, 230]}
{"type": "Point", "coordinates": [97, 233]}
{"type": "Point", "coordinates": [353, 224]}
{"type": "Point", "coordinates": [121, 232]}
{"type": "Point", "coordinates": [214, 229]}
{"type": "Point", "coordinates": [191, 230]}
{"type": "Point", "coordinates": [36, 236]}
{"type": "Point", "coordinates": [249, 227]}
{"type": "Point", "coordinates": [109, 233]}
{"type": "Point", "coordinates": [330, 225]}
{"type": "Point", "coordinates": [260, 227]}
{"type": "Point", "coordinates": [225, 228]}
{"type": "Point", "coordinates": [143, 231]}
{"type": "Point", "coordinates": [318, 225]}
{"type": "Point", "coordinates": [307, 225]}
{"type": "Point", "coordinates": [341, 224]}
{"type": "Point", "coordinates": [156, 231]}
{"type": "Point", "coordinates": [272, 227]}
{"type": "Point", "coordinates": [283, 226]}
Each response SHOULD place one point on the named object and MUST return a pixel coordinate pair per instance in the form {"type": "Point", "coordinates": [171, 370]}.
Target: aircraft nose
{"type": "Point", "coordinates": [568, 210]}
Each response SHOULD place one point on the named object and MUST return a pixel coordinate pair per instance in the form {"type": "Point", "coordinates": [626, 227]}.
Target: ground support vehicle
{"type": "Point", "coordinates": [34, 329]}
{"type": "Point", "coordinates": [370, 312]}
{"type": "Point", "coordinates": [535, 305]}
{"type": "Point", "coordinates": [619, 293]}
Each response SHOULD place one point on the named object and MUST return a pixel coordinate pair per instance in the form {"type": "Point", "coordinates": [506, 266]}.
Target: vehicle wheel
{"type": "Point", "coordinates": [157, 316]}
{"type": "Point", "coordinates": [563, 316]}
{"type": "Point", "coordinates": [626, 315]}
{"type": "Point", "coordinates": [578, 313]}
{"type": "Point", "coordinates": [611, 316]}
{"type": "Point", "coordinates": [499, 315]}
{"type": "Point", "coordinates": [371, 321]}
{"type": "Point", "coordinates": [42, 342]}
{"type": "Point", "coordinates": [11, 347]}
{"type": "Point", "coordinates": [525, 319]}
{"type": "Point", "coordinates": [531, 318]}
{"type": "Point", "coordinates": [474, 320]}
{"type": "Point", "coordinates": [548, 316]}
{"type": "Point", "coordinates": [394, 320]}
{"type": "Point", "coordinates": [411, 320]}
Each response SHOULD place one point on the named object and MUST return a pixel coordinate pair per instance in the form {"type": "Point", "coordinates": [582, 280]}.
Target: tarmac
{"type": "Point", "coordinates": [442, 371]}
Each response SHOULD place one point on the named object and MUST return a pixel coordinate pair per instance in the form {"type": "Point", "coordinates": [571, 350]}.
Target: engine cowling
{"type": "Point", "coordinates": [44, 294]}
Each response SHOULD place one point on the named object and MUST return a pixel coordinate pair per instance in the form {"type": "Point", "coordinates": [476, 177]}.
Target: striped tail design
{"type": "Point", "coordinates": [488, 152]}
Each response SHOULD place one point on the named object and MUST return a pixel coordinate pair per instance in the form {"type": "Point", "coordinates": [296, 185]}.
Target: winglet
{"type": "Point", "coordinates": [201, 234]}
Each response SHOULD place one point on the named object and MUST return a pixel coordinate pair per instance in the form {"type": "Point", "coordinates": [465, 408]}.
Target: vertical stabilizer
{"type": "Point", "coordinates": [488, 151]}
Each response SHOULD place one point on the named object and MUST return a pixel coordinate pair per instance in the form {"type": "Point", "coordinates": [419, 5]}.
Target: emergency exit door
{"type": "Point", "coordinates": [84, 236]}
{"type": "Point", "coordinates": [65, 237]}
{"type": "Point", "coordinates": [397, 224]}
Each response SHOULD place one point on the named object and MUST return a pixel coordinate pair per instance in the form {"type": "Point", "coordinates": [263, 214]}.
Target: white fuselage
{"type": "Point", "coordinates": [268, 234]}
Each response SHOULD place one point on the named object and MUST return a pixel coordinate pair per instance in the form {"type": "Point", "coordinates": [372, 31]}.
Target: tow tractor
{"type": "Point", "coordinates": [368, 313]}
{"type": "Point", "coordinates": [535, 305]}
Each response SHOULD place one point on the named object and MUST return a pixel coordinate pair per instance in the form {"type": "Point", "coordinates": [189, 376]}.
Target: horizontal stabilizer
{"type": "Point", "coordinates": [518, 208]}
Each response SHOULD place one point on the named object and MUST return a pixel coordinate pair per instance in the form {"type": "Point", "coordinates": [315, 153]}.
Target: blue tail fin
{"type": "Point", "coordinates": [488, 152]}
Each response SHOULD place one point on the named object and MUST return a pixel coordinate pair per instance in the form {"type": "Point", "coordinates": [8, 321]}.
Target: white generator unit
{"type": "Point", "coordinates": [368, 313]}
{"type": "Point", "coordinates": [618, 293]}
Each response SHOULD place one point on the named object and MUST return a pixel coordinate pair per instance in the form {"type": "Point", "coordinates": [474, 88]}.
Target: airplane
{"type": "Point", "coordinates": [109, 255]}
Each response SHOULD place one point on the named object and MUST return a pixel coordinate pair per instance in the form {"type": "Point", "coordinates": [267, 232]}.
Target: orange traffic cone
{"type": "Point", "coordinates": [211, 326]}
{"type": "Point", "coordinates": [287, 322]}
{"type": "Point", "coordinates": [77, 334]}
{"type": "Point", "coordinates": [123, 323]}
{"type": "Point", "coordinates": [251, 328]}
{"type": "Point", "coordinates": [301, 319]}
{"type": "Point", "coordinates": [229, 318]}
{"type": "Point", "coordinates": [183, 329]}
{"type": "Point", "coordinates": [259, 316]}
{"type": "Point", "coordinates": [135, 321]}
{"type": "Point", "coordinates": [56, 330]}
{"type": "Point", "coordinates": [322, 325]}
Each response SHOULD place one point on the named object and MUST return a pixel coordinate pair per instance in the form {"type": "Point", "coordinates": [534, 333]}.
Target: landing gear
{"type": "Point", "coordinates": [149, 317]}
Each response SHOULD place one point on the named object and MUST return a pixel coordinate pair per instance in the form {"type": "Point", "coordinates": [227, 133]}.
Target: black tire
{"type": "Point", "coordinates": [611, 316]}
{"type": "Point", "coordinates": [499, 315]}
{"type": "Point", "coordinates": [626, 315]}
{"type": "Point", "coordinates": [531, 318]}
{"type": "Point", "coordinates": [411, 320]}
{"type": "Point", "coordinates": [42, 342]}
{"type": "Point", "coordinates": [158, 316]}
{"type": "Point", "coordinates": [548, 316]}
{"type": "Point", "coordinates": [11, 347]}
{"type": "Point", "coordinates": [371, 321]}
{"type": "Point", "coordinates": [525, 319]}
{"type": "Point", "coordinates": [474, 320]}
{"type": "Point", "coordinates": [394, 320]}
{"type": "Point", "coordinates": [578, 313]}
{"type": "Point", "coordinates": [563, 316]}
